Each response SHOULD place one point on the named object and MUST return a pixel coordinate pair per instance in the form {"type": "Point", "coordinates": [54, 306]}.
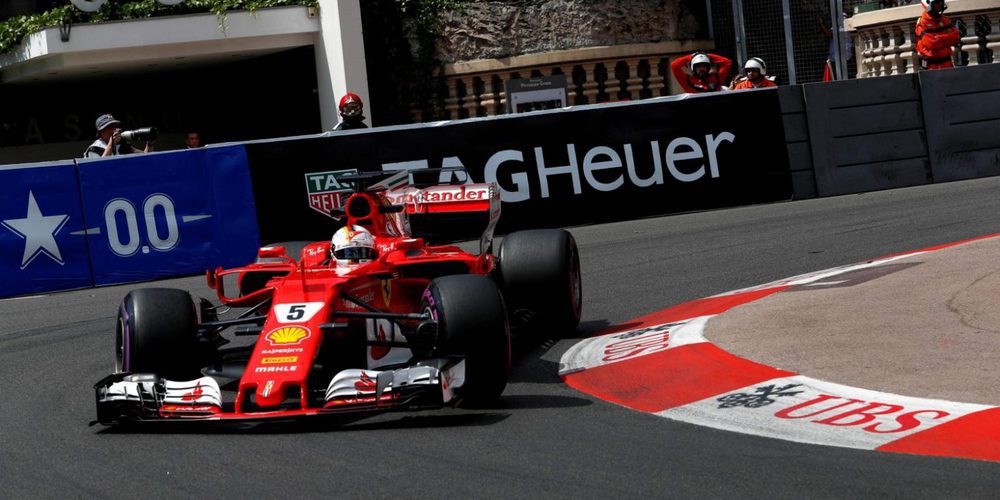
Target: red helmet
{"type": "Point", "coordinates": [351, 105]}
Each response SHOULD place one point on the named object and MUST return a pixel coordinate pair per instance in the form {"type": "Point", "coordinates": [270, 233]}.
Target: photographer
{"type": "Point", "coordinates": [111, 141]}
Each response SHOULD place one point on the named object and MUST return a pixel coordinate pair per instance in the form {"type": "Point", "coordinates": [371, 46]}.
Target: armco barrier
{"type": "Point", "coordinates": [131, 218]}
{"type": "Point", "coordinates": [962, 115]}
{"type": "Point", "coordinates": [42, 245]}
{"type": "Point", "coordinates": [793, 116]}
{"type": "Point", "coordinates": [580, 165]}
{"type": "Point", "coordinates": [866, 134]}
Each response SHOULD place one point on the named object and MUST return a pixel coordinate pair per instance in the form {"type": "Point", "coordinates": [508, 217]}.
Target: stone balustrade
{"type": "Point", "coordinates": [593, 74]}
{"type": "Point", "coordinates": [886, 45]}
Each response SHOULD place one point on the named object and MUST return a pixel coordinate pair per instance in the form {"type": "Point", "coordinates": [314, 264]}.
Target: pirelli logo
{"type": "Point", "coordinates": [279, 360]}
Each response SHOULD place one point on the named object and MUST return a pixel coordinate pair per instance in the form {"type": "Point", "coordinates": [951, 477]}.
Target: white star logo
{"type": "Point", "coordinates": [38, 232]}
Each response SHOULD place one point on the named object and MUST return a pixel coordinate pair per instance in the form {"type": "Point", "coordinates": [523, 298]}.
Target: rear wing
{"type": "Point", "coordinates": [453, 199]}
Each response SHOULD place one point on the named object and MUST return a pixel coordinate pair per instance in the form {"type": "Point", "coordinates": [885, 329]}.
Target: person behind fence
{"type": "Point", "coordinates": [754, 77]}
{"type": "Point", "coordinates": [701, 72]}
{"type": "Point", "coordinates": [846, 48]}
{"type": "Point", "coordinates": [109, 140]}
{"type": "Point", "coordinates": [936, 34]}
{"type": "Point", "coordinates": [192, 139]}
{"type": "Point", "coordinates": [351, 109]}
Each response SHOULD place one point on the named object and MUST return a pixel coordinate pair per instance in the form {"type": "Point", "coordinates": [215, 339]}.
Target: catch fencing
{"type": "Point", "coordinates": [796, 38]}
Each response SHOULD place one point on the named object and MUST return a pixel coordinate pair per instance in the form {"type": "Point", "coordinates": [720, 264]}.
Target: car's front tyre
{"type": "Point", "coordinates": [157, 333]}
{"type": "Point", "coordinates": [472, 322]}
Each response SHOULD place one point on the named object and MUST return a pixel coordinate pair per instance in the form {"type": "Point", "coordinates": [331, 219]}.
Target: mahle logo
{"type": "Point", "coordinates": [327, 191]}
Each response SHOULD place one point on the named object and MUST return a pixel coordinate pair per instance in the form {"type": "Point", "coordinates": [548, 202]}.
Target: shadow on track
{"type": "Point", "coordinates": [535, 401]}
{"type": "Point", "coordinates": [324, 424]}
{"type": "Point", "coordinates": [589, 328]}
{"type": "Point", "coordinates": [532, 347]}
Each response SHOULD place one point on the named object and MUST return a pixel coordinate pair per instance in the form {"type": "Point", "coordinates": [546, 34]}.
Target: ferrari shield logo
{"type": "Point", "coordinates": [326, 191]}
{"type": "Point", "coordinates": [387, 291]}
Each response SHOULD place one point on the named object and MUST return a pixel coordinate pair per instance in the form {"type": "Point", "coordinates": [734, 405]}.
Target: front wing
{"type": "Point", "coordinates": [138, 397]}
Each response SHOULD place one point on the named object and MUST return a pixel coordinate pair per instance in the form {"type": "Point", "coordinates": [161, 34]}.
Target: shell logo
{"type": "Point", "coordinates": [287, 335]}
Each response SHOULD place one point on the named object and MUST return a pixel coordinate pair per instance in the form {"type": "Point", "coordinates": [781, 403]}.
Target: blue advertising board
{"type": "Point", "coordinates": [167, 214]}
{"type": "Point", "coordinates": [42, 243]}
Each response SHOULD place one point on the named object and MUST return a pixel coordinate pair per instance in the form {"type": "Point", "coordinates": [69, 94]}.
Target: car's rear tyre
{"type": "Point", "coordinates": [157, 333]}
{"type": "Point", "coordinates": [472, 322]}
{"type": "Point", "coordinates": [539, 271]}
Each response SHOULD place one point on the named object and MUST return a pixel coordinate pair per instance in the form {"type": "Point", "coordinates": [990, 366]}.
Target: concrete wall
{"type": "Point", "coordinates": [793, 117]}
{"type": "Point", "coordinates": [882, 133]}
{"type": "Point", "coordinates": [866, 134]}
{"type": "Point", "coordinates": [962, 117]}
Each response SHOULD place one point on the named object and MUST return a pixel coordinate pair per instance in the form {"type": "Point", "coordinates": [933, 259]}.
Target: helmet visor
{"type": "Point", "coordinates": [355, 253]}
{"type": "Point", "coordinates": [351, 108]}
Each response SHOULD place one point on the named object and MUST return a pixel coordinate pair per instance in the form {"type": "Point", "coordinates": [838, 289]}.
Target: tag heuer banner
{"type": "Point", "coordinates": [326, 191]}
{"type": "Point", "coordinates": [578, 165]}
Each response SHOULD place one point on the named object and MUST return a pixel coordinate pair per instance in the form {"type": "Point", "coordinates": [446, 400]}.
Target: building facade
{"type": "Point", "coordinates": [271, 73]}
{"type": "Point", "coordinates": [279, 71]}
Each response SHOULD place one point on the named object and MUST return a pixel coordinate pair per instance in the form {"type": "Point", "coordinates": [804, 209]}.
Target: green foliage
{"type": "Point", "coordinates": [427, 13]}
{"type": "Point", "coordinates": [427, 81]}
{"type": "Point", "coordinates": [15, 29]}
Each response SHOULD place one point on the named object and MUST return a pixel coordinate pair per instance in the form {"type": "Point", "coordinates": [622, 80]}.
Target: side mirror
{"type": "Point", "coordinates": [210, 277]}
{"type": "Point", "coordinates": [275, 252]}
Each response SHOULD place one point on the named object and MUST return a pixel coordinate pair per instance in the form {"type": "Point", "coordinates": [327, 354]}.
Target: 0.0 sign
{"type": "Point", "coordinates": [126, 243]}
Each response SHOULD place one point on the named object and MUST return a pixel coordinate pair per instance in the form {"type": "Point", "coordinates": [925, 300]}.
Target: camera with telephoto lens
{"type": "Point", "coordinates": [147, 134]}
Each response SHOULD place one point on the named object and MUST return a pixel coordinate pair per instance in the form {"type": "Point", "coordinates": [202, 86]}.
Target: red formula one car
{"type": "Point", "coordinates": [406, 325]}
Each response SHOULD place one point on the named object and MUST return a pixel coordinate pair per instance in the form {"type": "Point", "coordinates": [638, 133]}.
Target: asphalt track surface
{"type": "Point", "coordinates": [546, 440]}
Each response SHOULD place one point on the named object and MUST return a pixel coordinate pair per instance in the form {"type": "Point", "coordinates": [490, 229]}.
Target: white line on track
{"type": "Point", "coordinates": [23, 298]}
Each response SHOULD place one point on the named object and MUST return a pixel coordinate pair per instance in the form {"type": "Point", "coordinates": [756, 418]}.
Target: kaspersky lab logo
{"type": "Point", "coordinates": [326, 191]}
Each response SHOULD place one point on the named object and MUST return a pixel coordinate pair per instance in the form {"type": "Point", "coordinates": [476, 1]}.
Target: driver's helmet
{"type": "Point", "coordinates": [351, 105]}
{"type": "Point", "coordinates": [353, 245]}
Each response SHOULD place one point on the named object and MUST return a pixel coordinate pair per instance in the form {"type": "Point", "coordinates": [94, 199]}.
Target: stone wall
{"type": "Point", "coordinates": [486, 30]}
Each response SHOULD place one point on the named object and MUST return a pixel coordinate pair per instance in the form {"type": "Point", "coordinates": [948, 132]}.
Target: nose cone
{"type": "Point", "coordinates": [271, 393]}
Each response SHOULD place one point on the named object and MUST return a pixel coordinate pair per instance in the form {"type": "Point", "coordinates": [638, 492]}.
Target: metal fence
{"type": "Point", "coordinates": [797, 39]}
